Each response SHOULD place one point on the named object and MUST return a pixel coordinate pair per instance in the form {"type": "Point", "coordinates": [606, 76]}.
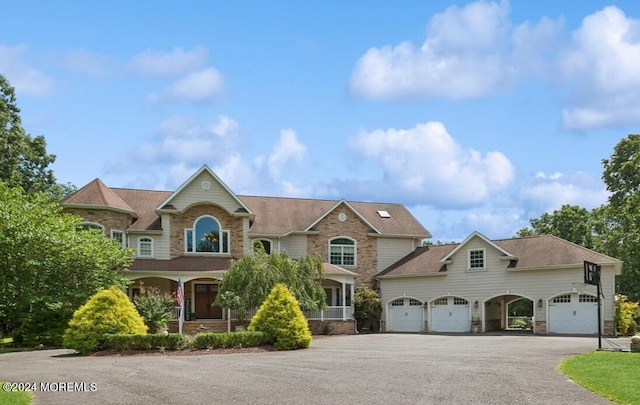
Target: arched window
{"type": "Point", "coordinates": [85, 226]}
{"type": "Point", "coordinates": [342, 252]}
{"type": "Point", "coordinates": [266, 244]}
{"type": "Point", "coordinates": [145, 247]}
{"type": "Point", "coordinates": [206, 236]}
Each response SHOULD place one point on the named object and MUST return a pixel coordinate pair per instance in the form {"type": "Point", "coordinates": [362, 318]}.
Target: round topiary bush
{"type": "Point", "coordinates": [280, 317]}
{"type": "Point", "coordinates": [106, 312]}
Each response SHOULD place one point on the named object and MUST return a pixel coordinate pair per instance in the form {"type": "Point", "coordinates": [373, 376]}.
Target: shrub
{"type": "Point", "coordinates": [281, 318]}
{"type": "Point", "coordinates": [625, 311]}
{"type": "Point", "coordinates": [367, 308]}
{"type": "Point", "coordinates": [106, 312]}
{"type": "Point", "coordinates": [155, 307]}
{"type": "Point", "coordinates": [172, 341]}
{"type": "Point", "coordinates": [210, 340]}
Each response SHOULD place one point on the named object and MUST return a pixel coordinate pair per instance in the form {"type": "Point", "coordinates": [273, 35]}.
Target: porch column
{"type": "Point", "coordinates": [181, 299]}
{"type": "Point", "coordinates": [344, 302]}
{"type": "Point", "coordinates": [353, 295]}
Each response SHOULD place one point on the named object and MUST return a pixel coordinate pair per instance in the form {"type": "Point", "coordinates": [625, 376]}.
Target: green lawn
{"type": "Point", "coordinates": [15, 398]}
{"type": "Point", "coordinates": [614, 375]}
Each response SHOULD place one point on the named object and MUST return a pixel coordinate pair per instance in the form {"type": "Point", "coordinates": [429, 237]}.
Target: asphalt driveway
{"type": "Point", "coordinates": [373, 369]}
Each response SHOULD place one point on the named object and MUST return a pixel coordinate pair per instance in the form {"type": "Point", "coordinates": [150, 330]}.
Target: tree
{"type": "Point", "coordinates": [620, 220]}
{"type": "Point", "coordinates": [107, 312]}
{"type": "Point", "coordinates": [249, 280]}
{"type": "Point", "coordinates": [156, 307]}
{"type": "Point", "coordinates": [24, 160]}
{"type": "Point", "coordinates": [367, 308]}
{"type": "Point", "coordinates": [48, 266]}
{"type": "Point", "coordinates": [281, 318]}
{"type": "Point", "coordinates": [570, 222]}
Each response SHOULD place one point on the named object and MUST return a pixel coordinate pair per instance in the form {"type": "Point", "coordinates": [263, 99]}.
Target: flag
{"type": "Point", "coordinates": [180, 294]}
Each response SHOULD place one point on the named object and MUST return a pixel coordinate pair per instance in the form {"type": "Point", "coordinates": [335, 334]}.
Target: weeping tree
{"type": "Point", "coordinates": [249, 280]}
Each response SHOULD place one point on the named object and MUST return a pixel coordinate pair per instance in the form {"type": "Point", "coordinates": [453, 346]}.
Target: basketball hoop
{"type": "Point", "coordinates": [578, 287]}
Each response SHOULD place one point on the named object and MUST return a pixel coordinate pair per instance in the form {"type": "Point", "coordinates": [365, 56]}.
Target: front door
{"type": "Point", "coordinates": [205, 295]}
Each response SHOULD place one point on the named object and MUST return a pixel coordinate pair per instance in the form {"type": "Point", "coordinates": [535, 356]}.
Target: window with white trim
{"type": "Point", "coordinates": [460, 301]}
{"type": "Point", "coordinates": [587, 298]}
{"type": "Point", "coordinates": [87, 226]}
{"type": "Point", "coordinates": [342, 252]}
{"type": "Point", "coordinates": [414, 302]}
{"type": "Point", "coordinates": [266, 244]}
{"type": "Point", "coordinates": [206, 236]}
{"type": "Point", "coordinates": [476, 259]}
{"type": "Point", "coordinates": [119, 236]}
{"type": "Point", "coordinates": [564, 298]}
{"type": "Point", "coordinates": [441, 301]}
{"type": "Point", "coordinates": [145, 247]}
{"type": "Point", "coordinates": [397, 303]}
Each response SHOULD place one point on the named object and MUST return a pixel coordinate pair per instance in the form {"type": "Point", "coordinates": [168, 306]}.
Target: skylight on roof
{"type": "Point", "coordinates": [384, 214]}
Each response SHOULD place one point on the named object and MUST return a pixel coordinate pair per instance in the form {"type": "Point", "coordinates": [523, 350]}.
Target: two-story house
{"type": "Point", "coordinates": [186, 237]}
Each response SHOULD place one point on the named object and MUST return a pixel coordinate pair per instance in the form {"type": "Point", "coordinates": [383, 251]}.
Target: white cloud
{"type": "Point", "coordinates": [86, 62]}
{"type": "Point", "coordinates": [425, 165]}
{"type": "Point", "coordinates": [546, 193]}
{"type": "Point", "coordinates": [174, 63]}
{"type": "Point", "coordinates": [201, 86]}
{"type": "Point", "coordinates": [21, 75]}
{"type": "Point", "coordinates": [286, 149]}
{"type": "Point", "coordinates": [469, 52]}
{"type": "Point", "coordinates": [602, 63]}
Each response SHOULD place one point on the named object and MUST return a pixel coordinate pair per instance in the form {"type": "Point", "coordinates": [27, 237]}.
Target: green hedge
{"type": "Point", "coordinates": [175, 341]}
{"type": "Point", "coordinates": [172, 341]}
{"type": "Point", "coordinates": [234, 339]}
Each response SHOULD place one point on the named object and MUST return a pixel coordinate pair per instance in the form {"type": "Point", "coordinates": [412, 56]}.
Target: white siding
{"type": "Point", "coordinates": [295, 245]}
{"type": "Point", "coordinates": [482, 285]}
{"type": "Point", "coordinates": [390, 250]}
{"type": "Point", "coordinates": [161, 242]}
{"type": "Point", "coordinates": [193, 194]}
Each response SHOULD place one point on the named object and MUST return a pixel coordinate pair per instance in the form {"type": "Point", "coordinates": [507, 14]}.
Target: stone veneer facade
{"type": "Point", "coordinates": [353, 228]}
{"type": "Point", "coordinates": [109, 219]}
{"type": "Point", "coordinates": [179, 222]}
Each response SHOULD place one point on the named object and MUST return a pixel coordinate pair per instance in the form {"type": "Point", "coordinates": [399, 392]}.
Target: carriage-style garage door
{"type": "Point", "coordinates": [573, 313]}
{"type": "Point", "coordinates": [405, 315]}
{"type": "Point", "coordinates": [449, 314]}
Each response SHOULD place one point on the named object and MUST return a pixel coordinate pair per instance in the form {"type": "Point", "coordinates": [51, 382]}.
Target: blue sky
{"type": "Point", "coordinates": [475, 115]}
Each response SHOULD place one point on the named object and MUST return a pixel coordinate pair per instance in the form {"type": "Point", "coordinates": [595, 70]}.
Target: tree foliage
{"type": "Point", "coordinates": [367, 307]}
{"type": "Point", "coordinates": [281, 318]}
{"type": "Point", "coordinates": [250, 279]}
{"type": "Point", "coordinates": [47, 265]}
{"type": "Point", "coordinates": [612, 229]}
{"type": "Point", "coordinates": [626, 312]}
{"type": "Point", "coordinates": [620, 226]}
{"type": "Point", "coordinates": [107, 312]}
{"type": "Point", "coordinates": [155, 306]}
{"type": "Point", "coordinates": [570, 222]}
{"type": "Point", "coordinates": [24, 160]}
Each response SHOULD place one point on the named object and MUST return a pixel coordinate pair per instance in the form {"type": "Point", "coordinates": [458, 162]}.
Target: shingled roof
{"type": "Point", "coordinates": [543, 251]}
{"type": "Point", "coordinates": [275, 216]}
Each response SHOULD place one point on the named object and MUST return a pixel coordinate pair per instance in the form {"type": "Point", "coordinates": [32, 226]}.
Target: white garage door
{"type": "Point", "coordinates": [405, 315]}
{"type": "Point", "coordinates": [450, 314]}
{"type": "Point", "coordinates": [573, 313]}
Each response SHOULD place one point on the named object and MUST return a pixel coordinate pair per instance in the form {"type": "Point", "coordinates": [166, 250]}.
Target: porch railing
{"type": "Point", "coordinates": [329, 313]}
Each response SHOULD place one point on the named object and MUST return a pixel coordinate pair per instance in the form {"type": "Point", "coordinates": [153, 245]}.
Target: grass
{"type": "Point", "coordinates": [6, 346]}
{"type": "Point", "coordinates": [15, 398]}
{"type": "Point", "coordinates": [613, 375]}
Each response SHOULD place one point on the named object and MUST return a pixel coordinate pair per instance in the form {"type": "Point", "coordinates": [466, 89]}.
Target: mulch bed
{"type": "Point", "coordinates": [186, 352]}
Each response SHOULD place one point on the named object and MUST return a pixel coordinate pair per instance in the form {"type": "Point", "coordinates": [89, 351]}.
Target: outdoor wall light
{"type": "Point", "coordinates": [475, 304]}
{"type": "Point", "coordinates": [540, 303]}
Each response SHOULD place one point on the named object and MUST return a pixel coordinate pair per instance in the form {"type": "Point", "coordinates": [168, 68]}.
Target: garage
{"type": "Point", "coordinates": [405, 315]}
{"type": "Point", "coordinates": [450, 314]}
{"type": "Point", "coordinates": [573, 313]}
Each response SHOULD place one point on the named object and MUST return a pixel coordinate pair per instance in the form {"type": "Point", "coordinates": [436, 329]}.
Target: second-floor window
{"type": "Point", "coordinates": [206, 236]}
{"type": "Point", "coordinates": [119, 236]}
{"type": "Point", "coordinates": [342, 252]}
{"type": "Point", "coordinates": [145, 247]}
{"type": "Point", "coordinates": [476, 260]}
